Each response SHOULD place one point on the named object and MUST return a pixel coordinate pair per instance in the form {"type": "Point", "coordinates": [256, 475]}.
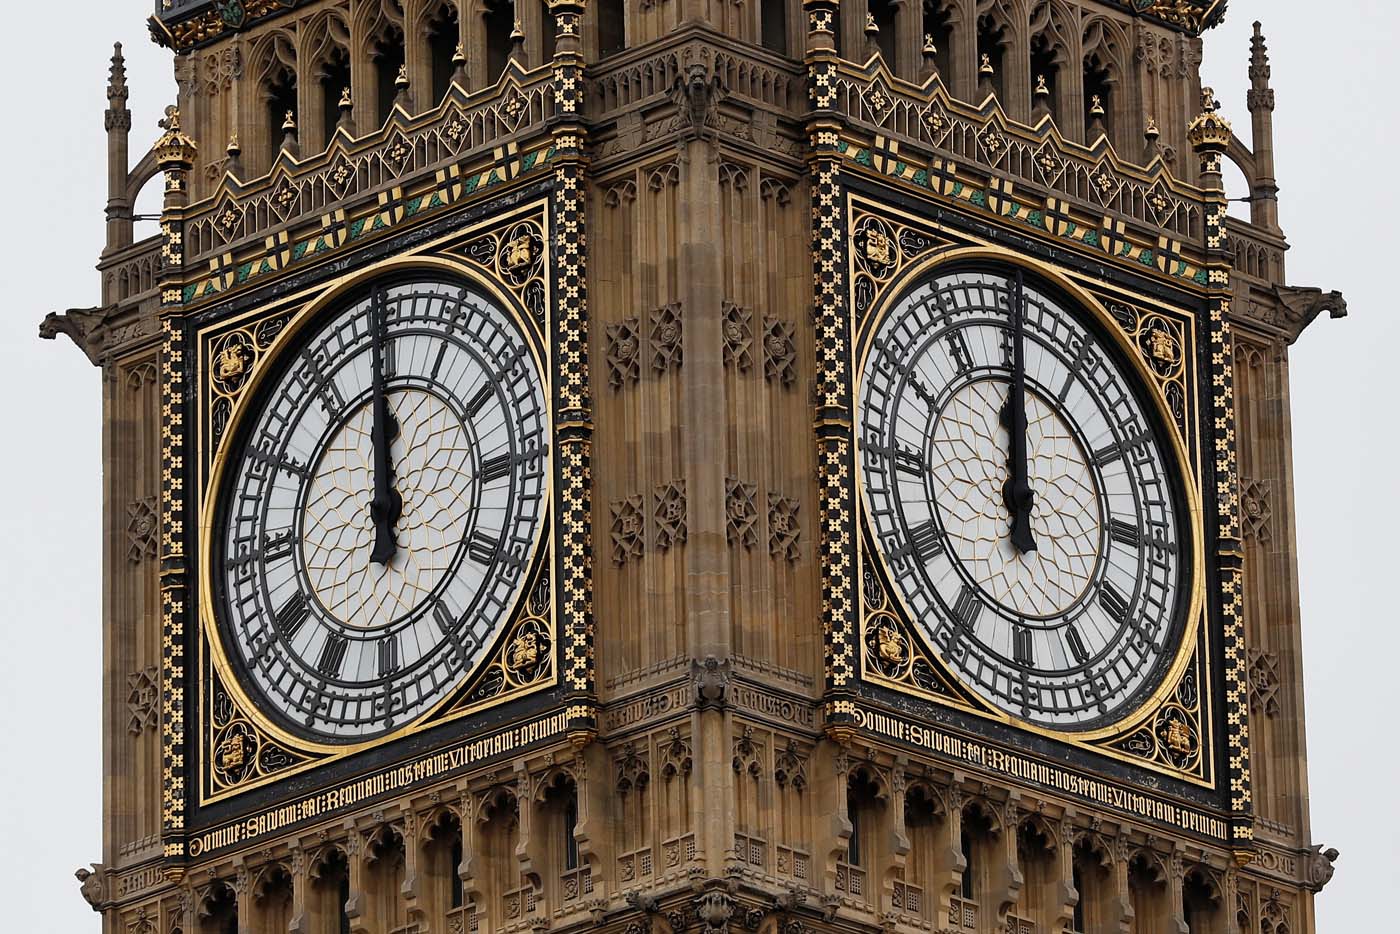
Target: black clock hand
{"type": "Point", "coordinates": [387, 506]}
{"type": "Point", "coordinates": [1017, 492]}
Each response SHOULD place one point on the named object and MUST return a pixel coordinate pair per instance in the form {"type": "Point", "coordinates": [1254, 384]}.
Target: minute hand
{"type": "Point", "coordinates": [1016, 492]}
{"type": "Point", "coordinates": [387, 506]}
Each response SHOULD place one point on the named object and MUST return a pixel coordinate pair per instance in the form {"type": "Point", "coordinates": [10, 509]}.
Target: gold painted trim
{"type": "Point", "coordinates": [330, 294]}
{"type": "Point", "coordinates": [896, 289]}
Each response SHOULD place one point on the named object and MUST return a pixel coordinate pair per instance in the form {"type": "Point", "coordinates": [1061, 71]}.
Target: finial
{"type": "Point", "coordinates": [1152, 135]}
{"type": "Point", "coordinates": [872, 28]}
{"type": "Point", "coordinates": [1210, 134]}
{"type": "Point", "coordinates": [1041, 93]}
{"type": "Point", "coordinates": [1260, 95]}
{"type": "Point", "coordinates": [116, 84]}
{"type": "Point", "coordinates": [517, 44]}
{"type": "Point", "coordinates": [459, 66]}
{"type": "Point", "coordinates": [1259, 71]}
{"type": "Point", "coordinates": [929, 47]}
{"type": "Point", "coordinates": [235, 154]}
{"type": "Point", "coordinates": [289, 133]}
{"type": "Point", "coordinates": [1096, 106]}
{"type": "Point", "coordinates": [986, 67]}
{"type": "Point", "coordinates": [347, 111]}
{"type": "Point", "coordinates": [403, 98]}
{"type": "Point", "coordinates": [174, 149]}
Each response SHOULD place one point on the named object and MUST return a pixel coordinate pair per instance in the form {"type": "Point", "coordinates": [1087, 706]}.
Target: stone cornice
{"type": "Point", "coordinates": [186, 24]}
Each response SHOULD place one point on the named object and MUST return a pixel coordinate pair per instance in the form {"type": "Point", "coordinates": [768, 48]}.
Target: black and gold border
{"type": "Point", "coordinates": [229, 723]}
{"type": "Point", "coordinates": [848, 209]}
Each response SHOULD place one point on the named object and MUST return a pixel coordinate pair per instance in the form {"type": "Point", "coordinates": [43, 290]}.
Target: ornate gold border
{"type": "Point", "coordinates": [896, 286]}
{"type": "Point", "coordinates": [543, 550]}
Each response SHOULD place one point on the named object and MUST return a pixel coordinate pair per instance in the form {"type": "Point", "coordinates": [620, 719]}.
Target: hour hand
{"type": "Point", "coordinates": [387, 505]}
{"type": "Point", "coordinates": [1016, 492]}
{"type": "Point", "coordinates": [386, 508]}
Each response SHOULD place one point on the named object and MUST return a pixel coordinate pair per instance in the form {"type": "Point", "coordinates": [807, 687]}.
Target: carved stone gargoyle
{"type": "Point", "coordinates": [711, 679]}
{"type": "Point", "coordinates": [1302, 305]}
{"type": "Point", "coordinates": [697, 94]}
{"type": "Point", "coordinates": [93, 890]}
{"type": "Point", "coordinates": [1321, 866]}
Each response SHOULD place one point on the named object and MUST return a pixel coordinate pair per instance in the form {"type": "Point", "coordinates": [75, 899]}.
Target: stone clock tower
{"type": "Point", "coordinates": [698, 466]}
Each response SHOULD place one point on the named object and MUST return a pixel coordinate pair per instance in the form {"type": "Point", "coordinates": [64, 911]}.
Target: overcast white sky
{"type": "Point", "coordinates": [1334, 71]}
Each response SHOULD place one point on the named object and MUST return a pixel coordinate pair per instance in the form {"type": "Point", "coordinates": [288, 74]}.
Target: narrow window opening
{"type": "Point", "coordinates": [612, 27]}
{"type": "Point", "coordinates": [1078, 921]}
{"type": "Point", "coordinates": [991, 52]}
{"type": "Point", "coordinates": [570, 825]}
{"type": "Point", "coordinates": [444, 35]}
{"type": "Point", "coordinates": [455, 871]}
{"type": "Point", "coordinates": [938, 30]}
{"type": "Point", "coordinates": [1200, 904]}
{"type": "Point", "coordinates": [281, 101]}
{"type": "Point", "coordinates": [853, 846]}
{"type": "Point", "coordinates": [388, 60]}
{"type": "Point", "coordinates": [969, 870]}
{"type": "Point", "coordinates": [549, 37]}
{"type": "Point", "coordinates": [1045, 74]}
{"type": "Point", "coordinates": [500, 23]}
{"type": "Point", "coordinates": [883, 13]}
{"type": "Point", "coordinates": [335, 81]}
{"type": "Point", "coordinates": [774, 27]}
{"type": "Point", "coordinates": [343, 893]}
{"type": "Point", "coordinates": [1098, 110]}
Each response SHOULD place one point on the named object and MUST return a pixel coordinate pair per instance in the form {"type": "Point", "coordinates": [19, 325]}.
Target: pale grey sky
{"type": "Point", "coordinates": [1334, 71]}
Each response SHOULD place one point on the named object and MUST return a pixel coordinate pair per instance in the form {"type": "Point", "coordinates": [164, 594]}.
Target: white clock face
{"type": "Point", "coordinates": [1070, 621]}
{"type": "Point", "coordinates": [382, 509]}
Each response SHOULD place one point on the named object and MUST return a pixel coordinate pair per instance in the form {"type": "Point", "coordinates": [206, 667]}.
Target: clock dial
{"type": "Point", "coordinates": [1018, 485]}
{"type": "Point", "coordinates": [381, 510]}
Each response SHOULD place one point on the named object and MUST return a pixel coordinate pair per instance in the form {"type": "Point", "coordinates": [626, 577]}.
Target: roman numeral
{"type": "Point", "coordinates": [910, 462]}
{"type": "Point", "coordinates": [1023, 647]}
{"type": "Point", "coordinates": [478, 401]}
{"type": "Point", "coordinates": [482, 548]}
{"type": "Point", "coordinates": [961, 353]}
{"type": "Point", "coordinates": [1075, 642]}
{"type": "Point", "coordinates": [388, 650]}
{"type": "Point", "coordinates": [292, 615]}
{"type": "Point", "coordinates": [277, 546]}
{"type": "Point", "coordinates": [325, 388]}
{"type": "Point", "coordinates": [926, 541]}
{"type": "Point", "coordinates": [332, 656]}
{"type": "Point", "coordinates": [1112, 452]}
{"type": "Point", "coordinates": [446, 621]}
{"type": "Point", "coordinates": [496, 468]}
{"type": "Point", "coordinates": [437, 361]}
{"type": "Point", "coordinates": [1124, 533]}
{"type": "Point", "coordinates": [391, 358]}
{"type": "Point", "coordinates": [259, 455]}
{"type": "Point", "coordinates": [967, 608]}
{"type": "Point", "coordinates": [1113, 602]}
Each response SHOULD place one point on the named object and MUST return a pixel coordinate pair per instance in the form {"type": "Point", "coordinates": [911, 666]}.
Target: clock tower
{"type": "Point", "coordinates": [697, 466]}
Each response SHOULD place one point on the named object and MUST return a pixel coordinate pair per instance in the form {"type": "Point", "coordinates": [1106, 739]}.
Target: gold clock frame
{"type": "Point", "coordinates": [211, 659]}
{"type": "Point", "coordinates": [1096, 741]}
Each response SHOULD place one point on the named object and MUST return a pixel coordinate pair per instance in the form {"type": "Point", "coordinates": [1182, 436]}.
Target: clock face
{"type": "Point", "coordinates": [381, 509]}
{"type": "Point", "coordinates": [1029, 515]}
